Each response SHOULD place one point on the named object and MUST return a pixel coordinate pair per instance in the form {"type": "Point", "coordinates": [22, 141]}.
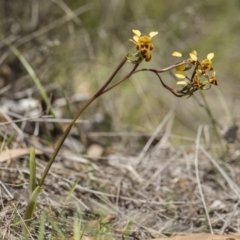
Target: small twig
{"type": "Point", "coordinates": [160, 169]}
{"type": "Point", "coordinates": [227, 222]}
{"type": "Point", "coordinates": [230, 182]}
{"type": "Point", "coordinates": [154, 135]}
{"type": "Point", "coordinates": [68, 11]}
{"type": "Point", "coordinates": [25, 227]}
{"type": "Point", "coordinates": [10, 121]}
{"type": "Point", "coordinates": [198, 177]}
{"type": "Point", "coordinates": [6, 190]}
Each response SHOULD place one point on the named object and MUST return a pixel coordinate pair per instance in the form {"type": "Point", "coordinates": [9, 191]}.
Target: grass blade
{"type": "Point", "coordinates": [32, 171]}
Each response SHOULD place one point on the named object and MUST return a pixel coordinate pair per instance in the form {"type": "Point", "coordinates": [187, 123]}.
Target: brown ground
{"type": "Point", "coordinates": [161, 190]}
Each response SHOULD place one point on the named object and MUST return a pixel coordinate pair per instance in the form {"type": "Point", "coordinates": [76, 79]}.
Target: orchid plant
{"type": "Point", "coordinates": [201, 78]}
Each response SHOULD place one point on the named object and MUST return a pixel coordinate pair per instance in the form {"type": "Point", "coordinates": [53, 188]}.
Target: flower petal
{"type": "Point", "coordinates": [137, 32]}
{"type": "Point", "coordinates": [206, 65]}
{"type": "Point", "coordinates": [194, 52]}
{"type": "Point", "coordinates": [183, 83]}
{"type": "Point", "coordinates": [210, 56]}
{"type": "Point", "coordinates": [136, 38]}
{"type": "Point", "coordinates": [180, 68]}
{"type": "Point", "coordinates": [152, 34]}
{"type": "Point", "coordinates": [193, 55]}
{"type": "Point", "coordinates": [180, 74]}
{"type": "Point", "coordinates": [132, 41]}
{"type": "Point", "coordinates": [176, 54]}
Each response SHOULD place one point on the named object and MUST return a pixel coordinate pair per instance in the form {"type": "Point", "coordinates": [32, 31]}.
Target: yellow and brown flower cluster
{"type": "Point", "coordinates": [203, 74]}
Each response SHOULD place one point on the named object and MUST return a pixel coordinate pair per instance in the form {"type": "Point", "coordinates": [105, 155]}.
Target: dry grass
{"type": "Point", "coordinates": [155, 189]}
{"type": "Point", "coordinates": [156, 179]}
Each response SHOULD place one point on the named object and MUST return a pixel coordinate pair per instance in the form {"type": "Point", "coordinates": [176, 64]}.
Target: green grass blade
{"type": "Point", "coordinates": [32, 171]}
{"type": "Point", "coordinates": [127, 232]}
{"type": "Point", "coordinates": [42, 227]}
{"type": "Point", "coordinates": [55, 227]}
{"type": "Point", "coordinates": [76, 228]}
{"type": "Point", "coordinates": [32, 202]}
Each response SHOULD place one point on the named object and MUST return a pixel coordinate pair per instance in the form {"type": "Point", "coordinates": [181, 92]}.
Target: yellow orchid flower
{"type": "Point", "coordinates": [197, 82]}
{"type": "Point", "coordinates": [213, 79]}
{"type": "Point", "coordinates": [143, 43]}
{"type": "Point", "coordinates": [206, 64]}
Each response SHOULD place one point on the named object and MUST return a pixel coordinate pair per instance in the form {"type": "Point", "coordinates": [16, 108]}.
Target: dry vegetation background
{"type": "Point", "coordinates": [131, 159]}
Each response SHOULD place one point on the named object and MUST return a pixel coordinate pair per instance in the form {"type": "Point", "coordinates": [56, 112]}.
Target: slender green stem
{"type": "Point", "coordinates": [35, 192]}
{"type": "Point", "coordinates": [60, 143]}
{"type": "Point", "coordinates": [68, 129]}
{"type": "Point", "coordinates": [209, 112]}
{"type": "Point", "coordinates": [80, 132]}
{"type": "Point", "coordinates": [194, 72]}
{"type": "Point", "coordinates": [128, 76]}
{"type": "Point", "coordinates": [162, 70]}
